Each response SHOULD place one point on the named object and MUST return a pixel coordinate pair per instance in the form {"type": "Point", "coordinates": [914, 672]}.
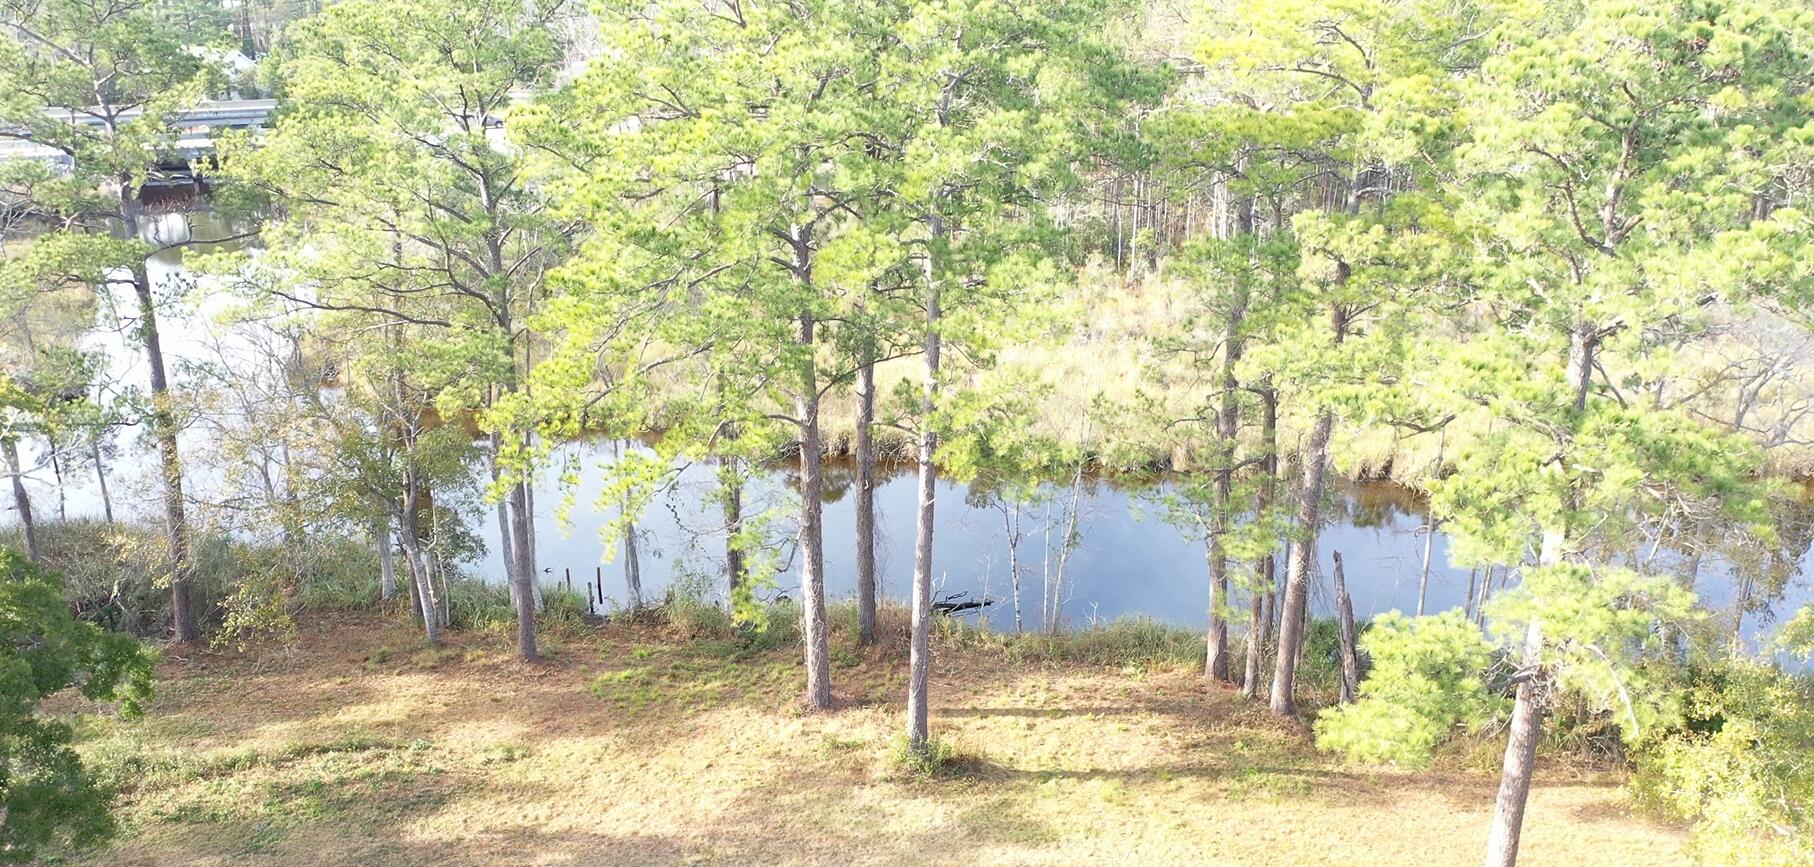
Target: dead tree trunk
{"type": "Point", "coordinates": [1344, 608]}
{"type": "Point", "coordinates": [56, 471]}
{"type": "Point", "coordinates": [1429, 539]}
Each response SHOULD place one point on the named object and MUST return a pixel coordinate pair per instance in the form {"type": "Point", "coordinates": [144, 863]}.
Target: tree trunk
{"type": "Point", "coordinates": [529, 536]}
{"type": "Point", "coordinates": [1011, 523]}
{"type": "Point", "coordinates": [506, 549]}
{"type": "Point", "coordinates": [21, 499]}
{"type": "Point", "coordinates": [415, 592]}
{"type": "Point", "coordinates": [1298, 566]}
{"type": "Point", "coordinates": [163, 423]}
{"type": "Point", "coordinates": [387, 567]}
{"type": "Point", "coordinates": [1054, 601]}
{"type": "Point", "coordinates": [1429, 539]}
{"type": "Point", "coordinates": [866, 503]}
{"type": "Point", "coordinates": [812, 528]}
{"type": "Point", "coordinates": [411, 536]}
{"type": "Point", "coordinates": [1520, 760]}
{"type": "Point", "coordinates": [730, 484]}
{"type": "Point", "coordinates": [1259, 620]}
{"type": "Point", "coordinates": [1527, 708]}
{"type": "Point", "coordinates": [919, 663]}
{"type": "Point", "coordinates": [56, 471]}
{"type": "Point", "coordinates": [1344, 610]}
{"type": "Point", "coordinates": [506, 535]}
{"type": "Point", "coordinates": [525, 574]}
{"type": "Point", "coordinates": [100, 474]}
{"type": "Point", "coordinates": [1486, 592]}
{"type": "Point", "coordinates": [1467, 603]}
{"type": "Point", "coordinates": [1215, 663]}
{"type": "Point", "coordinates": [632, 565]}
{"type": "Point", "coordinates": [1315, 465]}
{"type": "Point", "coordinates": [1256, 635]}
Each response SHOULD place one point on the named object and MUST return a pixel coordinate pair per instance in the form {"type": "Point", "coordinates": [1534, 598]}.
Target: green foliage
{"type": "Point", "coordinates": [751, 627]}
{"type": "Point", "coordinates": [479, 606]}
{"type": "Point", "coordinates": [116, 576]}
{"type": "Point", "coordinates": [1428, 679]}
{"type": "Point", "coordinates": [1741, 769]}
{"type": "Point", "coordinates": [1600, 628]}
{"type": "Point", "coordinates": [46, 796]}
{"type": "Point", "coordinates": [1128, 642]}
{"type": "Point", "coordinates": [935, 759]}
{"type": "Point", "coordinates": [1797, 635]}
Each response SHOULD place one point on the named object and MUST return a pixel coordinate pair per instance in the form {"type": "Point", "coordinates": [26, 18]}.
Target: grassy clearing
{"type": "Point", "coordinates": [643, 744]}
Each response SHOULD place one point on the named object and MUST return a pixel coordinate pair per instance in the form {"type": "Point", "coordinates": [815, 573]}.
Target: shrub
{"type": "Point", "coordinates": [936, 758]}
{"type": "Point", "coordinates": [1740, 768]}
{"type": "Point", "coordinates": [1427, 678]}
{"type": "Point", "coordinates": [47, 797]}
{"type": "Point", "coordinates": [479, 605]}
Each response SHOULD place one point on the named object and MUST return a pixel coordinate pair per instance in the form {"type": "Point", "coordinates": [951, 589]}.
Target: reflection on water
{"type": "Point", "coordinates": [1130, 561]}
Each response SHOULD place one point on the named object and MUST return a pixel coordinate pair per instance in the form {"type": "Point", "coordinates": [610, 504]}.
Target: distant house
{"type": "Point", "coordinates": [241, 72]}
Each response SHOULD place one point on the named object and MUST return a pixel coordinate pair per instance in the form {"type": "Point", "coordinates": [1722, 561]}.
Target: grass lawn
{"type": "Point", "coordinates": [357, 745]}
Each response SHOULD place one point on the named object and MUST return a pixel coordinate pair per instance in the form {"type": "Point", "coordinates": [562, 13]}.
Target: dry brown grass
{"type": "Point", "coordinates": [357, 746]}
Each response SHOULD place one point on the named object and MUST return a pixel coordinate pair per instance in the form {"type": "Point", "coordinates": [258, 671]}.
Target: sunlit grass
{"type": "Point", "coordinates": [639, 745]}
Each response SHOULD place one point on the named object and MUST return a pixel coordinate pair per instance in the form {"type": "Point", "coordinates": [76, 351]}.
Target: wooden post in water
{"type": "Point", "coordinates": [1344, 609]}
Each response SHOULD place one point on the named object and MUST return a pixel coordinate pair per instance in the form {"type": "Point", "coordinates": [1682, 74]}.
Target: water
{"type": "Point", "coordinates": [1130, 561]}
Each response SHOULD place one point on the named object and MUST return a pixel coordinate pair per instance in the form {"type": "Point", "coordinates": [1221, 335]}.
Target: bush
{"type": "Point", "coordinates": [1427, 678]}
{"type": "Point", "coordinates": [1740, 768]}
{"type": "Point", "coordinates": [936, 758]}
{"type": "Point", "coordinates": [479, 605]}
{"type": "Point", "coordinates": [761, 626]}
{"type": "Point", "coordinates": [47, 797]}
{"type": "Point", "coordinates": [118, 575]}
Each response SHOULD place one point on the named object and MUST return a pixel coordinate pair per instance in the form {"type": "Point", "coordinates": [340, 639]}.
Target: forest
{"type": "Point", "coordinates": [906, 431]}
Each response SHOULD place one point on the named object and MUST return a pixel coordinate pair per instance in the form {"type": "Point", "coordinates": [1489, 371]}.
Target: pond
{"type": "Point", "coordinates": [1129, 560]}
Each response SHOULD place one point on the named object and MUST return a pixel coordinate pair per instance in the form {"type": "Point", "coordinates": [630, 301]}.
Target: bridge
{"type": "Point", "coordinates": [195, 128]}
